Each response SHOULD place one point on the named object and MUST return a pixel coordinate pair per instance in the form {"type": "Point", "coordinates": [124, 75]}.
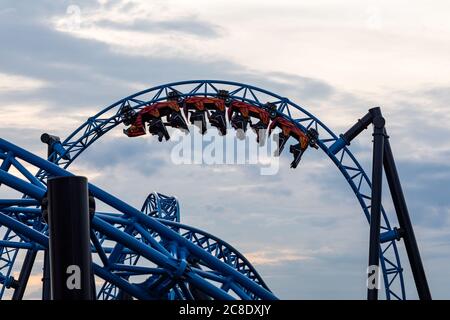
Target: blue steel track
{"type": "Point", "coordinates": [148, 253]}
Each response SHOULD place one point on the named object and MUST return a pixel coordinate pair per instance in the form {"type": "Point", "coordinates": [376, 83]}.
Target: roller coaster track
{"type": "Point", "coordinates": [175, 260]}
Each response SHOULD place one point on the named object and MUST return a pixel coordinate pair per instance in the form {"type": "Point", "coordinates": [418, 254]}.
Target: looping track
{"type": "Point", "coordinates": [150, 255]}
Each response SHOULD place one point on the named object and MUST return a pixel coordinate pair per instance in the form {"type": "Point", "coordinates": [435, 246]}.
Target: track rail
{"type": "Point", "coordinates": [110, 117]}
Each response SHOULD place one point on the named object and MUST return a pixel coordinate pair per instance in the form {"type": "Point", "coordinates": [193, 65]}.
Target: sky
{"type": "Point", "coordinates": [63, 61]}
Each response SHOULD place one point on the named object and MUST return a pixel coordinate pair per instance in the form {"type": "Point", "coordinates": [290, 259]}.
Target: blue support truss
{"type": "Point", "coordinates": [168, 258]}
{"type": "Point", "coordinates": [148, 254]}
{"type": "Point", "coordinates": [161, 206]}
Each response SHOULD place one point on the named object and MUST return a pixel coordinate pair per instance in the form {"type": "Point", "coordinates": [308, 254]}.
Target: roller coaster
{"type": "Point", "coordinates": [149, 253]}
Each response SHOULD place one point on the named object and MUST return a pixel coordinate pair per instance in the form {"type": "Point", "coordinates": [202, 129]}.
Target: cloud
{"type": "Point", "coordinates": [14, 83]}
{"type": "Point", "coordinates": [67, 76]}
{"type": "Point", "coordinates": [274, 257]}
{"type": "Point", "coordinates": [188, 25]}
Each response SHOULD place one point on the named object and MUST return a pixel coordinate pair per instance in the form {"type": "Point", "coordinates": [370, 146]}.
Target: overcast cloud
{"type": "Point", "coordinates": [61, 62]}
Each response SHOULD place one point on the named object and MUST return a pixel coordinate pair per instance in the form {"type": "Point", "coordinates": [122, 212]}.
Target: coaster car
{"type": "Point", "coordinates": [152, 114]}
{"type": "Point", "coordinates": [198, 108]}
{"type": "Point", "coordinates": [241, 113]}
{"type": "Point", "coordinates": [289, 129]}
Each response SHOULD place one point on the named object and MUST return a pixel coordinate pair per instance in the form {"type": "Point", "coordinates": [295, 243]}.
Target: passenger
{"type": "Point", "coordinates": [289, 129]}
{"type": "Point", "coordinates": [153, 114]}
{"type": "Point", "coordinates": [201, 107]}
{"type": "Point", "coordinates": [241, 113]}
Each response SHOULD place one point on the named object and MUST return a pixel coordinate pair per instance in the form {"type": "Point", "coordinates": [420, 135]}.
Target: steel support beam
{"type": "Point", "coordinates": [69, 235]}
{"type": "Point", "coordinates": [375, 208]}
{"type": "Point", "coordinates": [25, 272]}
{"type": "Point", "coordinates": [46, 290]}
{"type": "Point", "coordinates": [406, 229]}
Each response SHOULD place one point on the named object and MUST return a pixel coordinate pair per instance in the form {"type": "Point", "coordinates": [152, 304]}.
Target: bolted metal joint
{"type": "Point", "coordinates": [379, 122]}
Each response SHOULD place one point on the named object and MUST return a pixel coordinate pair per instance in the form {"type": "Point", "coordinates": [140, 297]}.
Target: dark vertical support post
{"type": "Point", "coordinates": [48, 140]}
{"type": "Point", "coordinates": [404, 221]}
{"type": "Point", "coordinates": [375, 209]}
{"type": "Point", "coordinates": [383, 157]}
{"type": "Point", "coordinates": [69, 239]}
{"type": "Point", "coordinates": [25, 272]}
{"type": "Point", "coordinates": [46, 277]}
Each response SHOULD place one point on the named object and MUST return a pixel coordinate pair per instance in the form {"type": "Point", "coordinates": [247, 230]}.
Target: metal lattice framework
{"type": "Point", "coordinates": [149, 254]}
{"type": "Point", "coordinates": [169, 262]}
{"type": "Point", "coordinates": [161, 206]}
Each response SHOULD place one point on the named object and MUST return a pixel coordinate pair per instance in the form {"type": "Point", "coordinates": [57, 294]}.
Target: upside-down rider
{"type": "Point", "coordinates": [152, 114]}
{"type": "Point", "coordinates": [241, 113]}
{"type": "Point", "coordinates": [197, 108]}
{"type": "Point", "coordinates": [289, 129]}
